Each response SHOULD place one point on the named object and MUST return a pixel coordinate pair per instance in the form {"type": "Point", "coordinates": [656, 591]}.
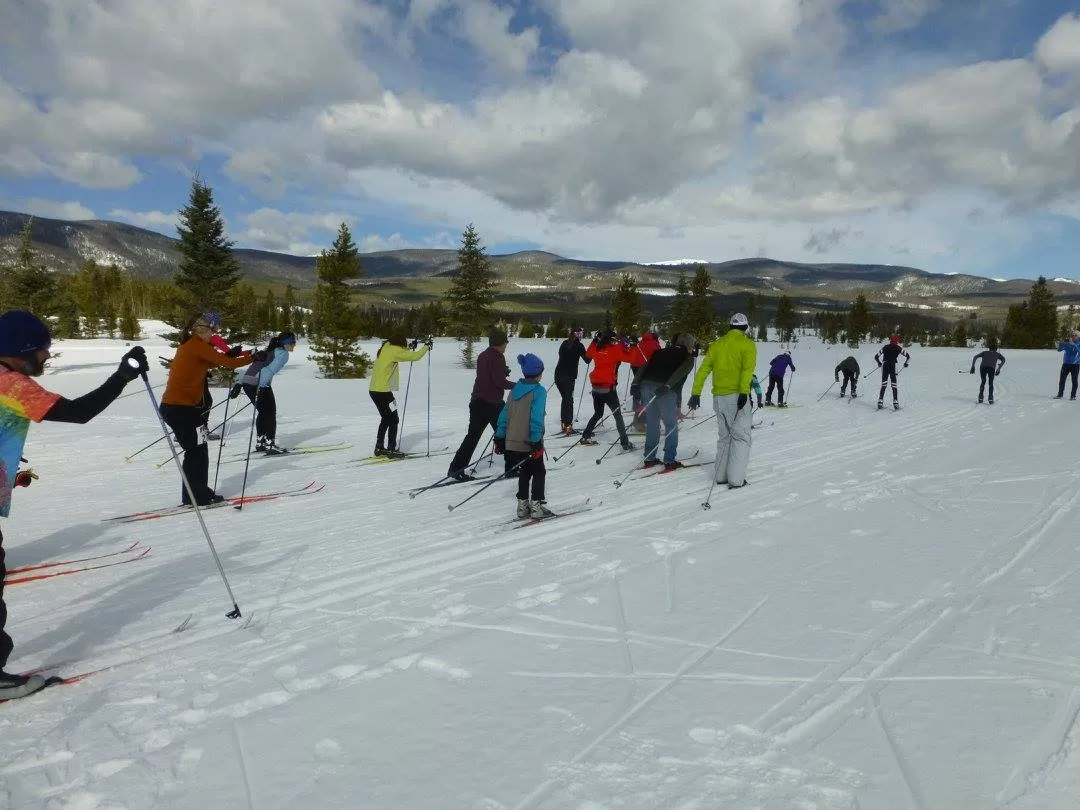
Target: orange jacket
{"type": "Point", "coordinates": [187, 372]}
{"type": "Point", "coordinates": [646, 348]}
{"type": "Point", "coordinates": [605, 360]}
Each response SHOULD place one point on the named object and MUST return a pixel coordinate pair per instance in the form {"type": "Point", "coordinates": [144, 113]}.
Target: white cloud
{"type": "Point", "coordinates": [94, 170]}
{"type": "Point", "coordinates": [288, 232]}
{"type": "Point", "coordinates": [374, 242]}
{"type": "Point", "coordinates": [50, 209]}
{"type": "Point", "coordinates": [146, 219]}
{"type": "Point", "coordinates": [1059, 48]}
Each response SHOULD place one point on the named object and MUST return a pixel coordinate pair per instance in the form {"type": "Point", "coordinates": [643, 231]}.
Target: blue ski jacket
{"type": "Point", "coordinates": [1072, 353]}
{"type": "Point", "coordinates": [511, 426]}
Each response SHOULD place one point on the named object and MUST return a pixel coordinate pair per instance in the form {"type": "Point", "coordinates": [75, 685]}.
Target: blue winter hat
{"type": "Point", "coordinates": [531, 365]}
{"type": "Point", "coordinates": [22, 332]}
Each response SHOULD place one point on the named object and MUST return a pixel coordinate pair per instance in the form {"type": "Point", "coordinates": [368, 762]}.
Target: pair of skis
{"type": "Point", "coordinates": [49, 570]}
{"type": "Point", "coordinates": [154, 514]}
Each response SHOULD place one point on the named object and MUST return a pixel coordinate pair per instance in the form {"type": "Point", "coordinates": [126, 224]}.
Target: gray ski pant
{"type": "Point", "coordinates": [733, 440]}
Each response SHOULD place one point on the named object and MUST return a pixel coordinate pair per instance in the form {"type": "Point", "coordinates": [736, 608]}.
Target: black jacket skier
{"type": "Point", "coordinates": [887, 358]}
{"type": "Point", "coordinates": [990, 367]}
{"type": "Point", "coordinates": [850, 367]}
{"type": "Point", "coordinates": [571, 352]}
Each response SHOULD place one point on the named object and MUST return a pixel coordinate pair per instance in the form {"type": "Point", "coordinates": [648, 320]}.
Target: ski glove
{"type": "Point", "coordinates": [743, 399]}
{"type": "Point", "coordinates": [498, 446]}
{"type": "Point", "coordinates": [24, 477]}
{"type": "Point", "coordinates": [235, 351]}
{"type": "Point", "coordinates": [234, 392]}
{"type": "Point", "coordinates": [972, 370]}
{"type": "Point", "coordinates": [133, 364]}
{"type": "Point", "coordinates": [694, 402]}
{"type": "Point", "coordinates": [635, 390]}
{"type": "Point", "coordinates": [906, 365]}
{"type": "Point", "coordinates": [537, 450]}
{"type": "Point", "coordinates": [430, 343]}
{"type": "Point", "coordinates": [413, 344]}
{"type": "Point", "coordinates": [661, 390]}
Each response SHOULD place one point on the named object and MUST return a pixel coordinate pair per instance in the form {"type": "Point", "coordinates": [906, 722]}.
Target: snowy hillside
{"type": "Point", "coordinates": [885, 618]}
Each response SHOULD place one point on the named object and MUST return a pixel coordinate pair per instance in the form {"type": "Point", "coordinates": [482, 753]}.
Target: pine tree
{"type": "Point", "coordinates": [30, 285]}
{"type": "Point", "coordinates": [336, 330]}
{"type": "Point", "coordinates": [129, 324]}
{"type": "Point", "coordinates": [786, 319]}
{"type": "Point", "coordinates": [208, 269]}
{"type": "Point", "coordinates": [470, 300]}
{"type": "Point", "coordinates": [701, 318]}
{"type": "Point", "coordinates": [1033, 323]}
{"type": "Point", "coordinates": [268, 314]}
{"type": "Point", "coordinates": [859, 321]}
{"type": "Point", "coordinates": [287, 307]}
{"type": "Point", "coordinates": [959, 335]}
{"type": "Point", "coordinates": [626, 308]}
{"type": "Point", "coordinates": [67, 311]}
{"type": "Point", "coordinates": [679, 314]}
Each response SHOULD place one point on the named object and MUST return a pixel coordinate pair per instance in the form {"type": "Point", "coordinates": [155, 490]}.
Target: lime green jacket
{"type": "Point", "coordinates": [731, 360]}
{"type": "Point", "coordinates": [384, 374]}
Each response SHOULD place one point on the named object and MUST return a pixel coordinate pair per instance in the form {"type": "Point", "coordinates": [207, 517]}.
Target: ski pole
{"type": "Point", "coordinates": [484, 454]}
{"type": "Point", "coordinates": [404, 407]}
{"type": "Point", "coordinates": [827, 390]}
{"type": "Point", "coordinates": [575, 444]}
{"type": "Point", "coordinates": [581, 398]}
{"type": "Point", "coordinates": [454, 506]}
{"type": "Point", "coordinates": [136, 393]}
{"type": "Point", "coordinates": [219, 426]}
{"type": "Point", "coordinates": [235, 612]}
{"type": "Point", "coordinates": [790, 385]}
{"type": "Point", "coordinates": [619, 439]}
{"type": "Point", "coordinates": [155, 441]}
{"type": "Point", "coordinates": [221, 438]}
{"type": "Point", "coordinates": [247, 459]}
{"type": "Point", "coordinates": [428, 453]}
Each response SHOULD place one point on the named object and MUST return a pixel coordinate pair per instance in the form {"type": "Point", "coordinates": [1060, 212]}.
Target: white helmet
{"type": "Point", "coordinates": [739, 320]}
{"type": "Point", "coordinates": [1074, 334]}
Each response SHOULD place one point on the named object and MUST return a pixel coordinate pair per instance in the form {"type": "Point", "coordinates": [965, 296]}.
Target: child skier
{"type": "Point", "coordinates": [755, 386]}
{"type": "Point", "coordinates": [992, 361]}
{"type": "Point", "coordinates": [887, 358]}
{"type": "Point", "coordinates": [520, 434]}
{"type": "Point", "coordinates": [256, 383]}
{"type": "Point", "coordinates": [384, 381]}
{"type": "Point", "coordinates": [778, 367]}
{"type": "Point", "coordinates": [1070, 364]}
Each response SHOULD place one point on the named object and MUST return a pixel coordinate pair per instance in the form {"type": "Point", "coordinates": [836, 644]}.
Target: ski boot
{"type": "Point", "coordinates": [649, 463]}
{"type": "Point", "coordinates": [896, 406]}
{"type": "Point", "coordinates": [588, 441]}
{"type": "Point", "coordinates": [627, 446]}
{"type": "Point", "coordinates": [272, 449]}
{"type": "Point", "coordinates": [880, 405]}
{"type": "Point", "coordinates": [538, 510]}
{"type": "Point", "coordinates": [16, 686]}
{"type": "Point", "coordinates": [671, 466]}
{"type": "Point", "coordinates": [524, 509]}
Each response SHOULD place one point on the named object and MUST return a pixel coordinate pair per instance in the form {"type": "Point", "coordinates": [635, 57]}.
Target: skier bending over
{"type": "Point", "coordinates": [1070, 363]}
{"type": "Point", "coordinates": [520, 434]}
{"type": "Point", "coordinates": [24, 350]}
{"type": "Point", "coordinates": [850, 367]}
{"type": "Point", "coordinates": [256, 383]}
{"type": "Point", "coordinates": [778, 367]}
{"type": "Point", "coordinates": [384, 381]}
{"type": "Point", "coordinates": [887, 358]}
{"type": "Point", "coordinates": [992, 361]}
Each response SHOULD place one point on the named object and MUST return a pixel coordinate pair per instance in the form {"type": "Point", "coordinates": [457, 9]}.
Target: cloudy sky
{"type": "Point", "coordinates": [941, 134]}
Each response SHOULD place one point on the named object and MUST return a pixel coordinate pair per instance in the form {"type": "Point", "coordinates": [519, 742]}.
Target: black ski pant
{"type": "Point", "coordinates": [611, 400]}
{"type": "Point", "coordinates": [388, 421]}
{"type": "Point", "coordinates": [986, 373]}
{"type": "Point", "coordinates": [6, 644]}
{"type": "Point", "coordinates": [207, 402]}
{"type": "Point", "coordinates": [531, 475]}
{"type": "Point", "coordinates": [1068, 370]}
{"type": "Point", "coordinates": [186, 421]}
{"type": "Point", "coordinates": [777, 383]}
{"type": "Point", "coordinates": [849, 377]}
{"type": "Point", "coordinates": [265, 411]}
{"type": "Point", "coordinates": [482, 415]}
{"type": "Point", "coordinates": [566, 391]}
{"type": "Point", "coordinates": [888, 374]}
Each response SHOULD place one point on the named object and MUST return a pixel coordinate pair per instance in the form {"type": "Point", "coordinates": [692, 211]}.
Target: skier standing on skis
{"type": "Point", "coordinates": [730, 360]}
{"type": "Point", "coordinates": [755, 387]}
{"type": "Point", "coordinates": [256, 383]}
{"type": "Point", "coordinates": [1070, 363]}
{"type": "Point", "coordinates": [519, 434]}
{"type": "Point", "coordinates": [606, 352]}
{"type": "Point", "coordinates": [778, 367]}
{"type": "Point", "coordinates": [384, 381]}
{"type": "Point", "coordinates": [24, 350]}
{"type": "Point", "coordinates": [850, 368]}
{"type": "Point", "coordinates": [990, 367]}
{"type": "Point", "coordinates": [887, 358]}
{"type": "Point", "coordinates": [666, 370]}
{"type": "Point", "coordinates": [181, 404]}
{"type": "Point", "coordinates": [491, 384]}
{"type": "Point", "coordinates": [646, 346]}
{"type": "Point", "coordinates": [571, 352]}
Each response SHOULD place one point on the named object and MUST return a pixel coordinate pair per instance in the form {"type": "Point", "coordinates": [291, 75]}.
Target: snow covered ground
{"type": "Point", "coordinates": [885, 618]}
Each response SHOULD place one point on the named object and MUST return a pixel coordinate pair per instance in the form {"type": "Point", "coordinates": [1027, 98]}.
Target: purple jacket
{"type": "Point", "coordinates": [491, 377]}
{"type": "Point", "coordinates": [779, 365]}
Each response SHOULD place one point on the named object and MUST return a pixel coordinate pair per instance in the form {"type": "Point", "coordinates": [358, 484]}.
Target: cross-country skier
{"type": "Point", "coordinates": [491, 384]}
{"type": "Point", "coordinates": [384, 381]}
{"type": "Point", "coordinates": [1070, 363]}
{"type": "Point", "coordinates": [647, 346]}
{"type": "Point", "coordinates": [887, 358]}
{"type": "Point", "coordinates": [571, 353]}
{"type": "Point", "coordinates": [256, 383]}
{"type": "Point", "coordinates": [666, 370]}
{"type": "Point", "coordinates": [606, 352]}
{"type": "Point", "coordinates": [519, 434]}
{"type": "Point", "coordinates": [755, 387]}
{"type": "Point", "coordinates": [182, 402]}
{"type": "Point", "coordinates": [849, 366]}
{"type": "Point", "coordinates": [24, 350]}
{"type": "Point", "coordinates": [730, 360]}
{"type": "Point", "coordinates": [990, 367]}
{"type": "Point", "coordinates": [778, 367]}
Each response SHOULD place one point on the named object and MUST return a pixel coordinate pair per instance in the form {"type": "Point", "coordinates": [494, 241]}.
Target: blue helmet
{"type": "Point", "coordinates": [22, 333]}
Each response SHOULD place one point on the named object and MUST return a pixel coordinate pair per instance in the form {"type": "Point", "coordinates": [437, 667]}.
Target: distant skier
{"type": "Point", "coordinates": [666, 370]}
{"type": "Point", "coordinates": [571, 353]}
{"type": "Point", "coordinates": [485, 405]}
{"type": "Point", "coordinates": [990, 367]}
{"type": "Point", "coordinates": [256, 383]}
{"type": "Point", "coordinates": [24, 351]}
{"type": "Point", "coordinates": [1070, 363]}
{"type": "Point", "coordinates": [778, 367]}
{"type": "Point", "coordinates": [755, 388]}
{"type": "Point", "coordinates": [606, 353]}
{"type": "Point", "coordinates": [849, 366]}
{"type": "Point", "coordinates": [519, 434]}
{"type": "Point", "coordinates": [730, 360]}
{"type": "Point", "coordinates": [887, 358]}
{"type": "Point", "coordinates": [384, 381]}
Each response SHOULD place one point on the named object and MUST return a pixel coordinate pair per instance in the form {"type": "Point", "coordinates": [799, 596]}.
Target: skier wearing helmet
{"type": "Point", "coordinates": [730, 360]}
{"type": "Point", "coordinates": [778, 367]}
{"type": "Point", "coordinates": [887, 358]}
{"type": "Point", "coordinates": [1070, 363]}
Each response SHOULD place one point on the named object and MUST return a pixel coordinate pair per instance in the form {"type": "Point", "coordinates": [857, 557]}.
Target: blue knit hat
{"type": "Point", "coordinates": [22, 332]}
{"type": "Point", "coordinates": [531, 365]}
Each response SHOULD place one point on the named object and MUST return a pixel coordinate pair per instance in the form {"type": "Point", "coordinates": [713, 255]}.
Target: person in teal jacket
{"type": "Point", "coordinates": [755, 386]}
{"type": "Point", "coordinates": [520, 434]}
{"type": "Point", "coordinates": [1070, 363]}
{"type": "Point", "coordinates": [256, 383]}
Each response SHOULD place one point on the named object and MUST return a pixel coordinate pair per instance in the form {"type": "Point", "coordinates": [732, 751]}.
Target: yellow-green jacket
{"type": "Point", "coordinates": [731, 360]}
{"type": "Point", "coordinates": [384, 374]}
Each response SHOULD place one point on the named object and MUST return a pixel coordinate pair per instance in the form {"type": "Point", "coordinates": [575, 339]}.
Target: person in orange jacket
{"type": "Point", "coordinates": [181, 404]}
{"type": "Point", "coordinates": [606, 353]}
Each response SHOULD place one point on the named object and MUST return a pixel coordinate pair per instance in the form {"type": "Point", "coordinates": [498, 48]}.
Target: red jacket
{"type": "Point", "coordinates": [646, 348]}
{"type": "Point", "coordinates": [605, 360]}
